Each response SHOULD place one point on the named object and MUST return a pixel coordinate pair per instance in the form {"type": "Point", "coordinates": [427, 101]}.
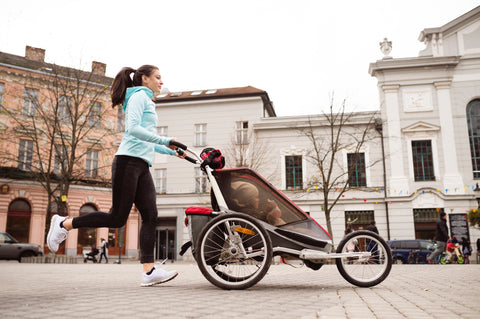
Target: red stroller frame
{"type": "Point", "coordinates": [251, 221]}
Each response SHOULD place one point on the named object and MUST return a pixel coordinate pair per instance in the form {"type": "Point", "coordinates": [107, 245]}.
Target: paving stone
{"type": "Point", "coordinates": [113, 291]}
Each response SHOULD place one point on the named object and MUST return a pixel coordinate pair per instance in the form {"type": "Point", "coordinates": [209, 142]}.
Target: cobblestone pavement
{"type": "Point", "coordinates": [113, 291]}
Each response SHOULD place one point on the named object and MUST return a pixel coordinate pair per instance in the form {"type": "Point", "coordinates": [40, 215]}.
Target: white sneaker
{"type": "Point", "coordinates": [56, 234]}
{"type": "Point", "coordinates": [158, 276]}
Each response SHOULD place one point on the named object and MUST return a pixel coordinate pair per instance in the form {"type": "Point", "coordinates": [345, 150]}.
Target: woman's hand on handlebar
{"type": "Point", "coordinates": [172, 145]}
{"type": "Point", "coordinates": [176, 146]}
{"type": "Point", "coordinates": [180, 153]}
{"type": "Point", "coordinates": [181, 148]}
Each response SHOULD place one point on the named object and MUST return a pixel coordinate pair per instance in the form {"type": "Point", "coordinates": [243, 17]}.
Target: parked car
{"type": "Point", "coordinates": [10, 248]}
{"type": "Point", "coordinates": [411, 251]}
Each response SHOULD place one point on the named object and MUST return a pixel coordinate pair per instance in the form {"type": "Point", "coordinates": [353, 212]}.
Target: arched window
{"type": "Point", "coordinates": [18, 220]}
{"type": "Point", "coordinates": [473, 120]}
{"type": "Point", "coordinates": [87, 237]}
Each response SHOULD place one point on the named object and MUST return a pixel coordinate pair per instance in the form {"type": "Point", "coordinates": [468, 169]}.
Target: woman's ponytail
{"type": "Point", "coordinates": [123, 81]}
{"type": "Point", "coordinates": [120, 84]}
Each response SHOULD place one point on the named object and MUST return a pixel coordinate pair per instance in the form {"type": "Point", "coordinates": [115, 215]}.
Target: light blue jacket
{"type": "Point", "coordinates": [140, 138]}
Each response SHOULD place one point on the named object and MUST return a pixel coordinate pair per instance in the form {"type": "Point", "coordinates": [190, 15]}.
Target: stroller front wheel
{"type": "Point", "coordinates": [369, 270]}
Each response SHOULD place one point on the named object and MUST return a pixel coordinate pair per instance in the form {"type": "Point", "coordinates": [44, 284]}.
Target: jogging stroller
{"type": "Point", "coordinates": [90, 255]}
{"type": "Point", "coordinates": [250, 222]}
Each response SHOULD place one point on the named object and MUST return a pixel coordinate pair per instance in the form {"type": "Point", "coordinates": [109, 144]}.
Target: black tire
{"type": "Point", "coordinates": [444, 260]}
{"type": "Point", "coordinates": [222, 261]}
{"type": "Point", "coordinates": [365, 271]}
{"type": "Point", "coordinates": [27, 253]}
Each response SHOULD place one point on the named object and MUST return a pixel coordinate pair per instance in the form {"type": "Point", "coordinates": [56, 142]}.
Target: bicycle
{"type": "Point", "coordinates": [443, 259]}
{"type": "Point", "coordinates": [453, 252]}
{"type": "Point", "coordinates": [234, 245]}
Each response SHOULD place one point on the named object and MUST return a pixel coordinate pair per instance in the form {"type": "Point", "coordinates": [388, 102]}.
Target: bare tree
{"type": "Point", "coordinates": [331, 135]}
{"type": "Point", "coordinates": [58, 123]}
{"type": "Point", "coordinates": [247, 151]}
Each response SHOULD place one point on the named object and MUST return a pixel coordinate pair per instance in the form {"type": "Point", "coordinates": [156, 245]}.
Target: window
{"type": "Point", "coordinates": [200, 134]}
{"type": "Point", "coordinates": [356, 170]}
{"type": "Point", "coordinates": [64, 108]}
{"type": "Point", "coordinates": [473, 122]}
{"type": "Point", "coordinates": [359, 219]}
{"type": "Point", "coordinates": [161, 181]}
{"type": "Point", "coordinates": [425, 222]}
{"type": "Point", "coordinates": [120, 119]}
{"type": "Point", "coordinates": [25, 155]}
{"type": "Point", "coordinates": [423, 161]}
{"type": "Point", "coordinates": [200, 181]}
{"type": "Point", "coordinates": [293, 172]}
{"type": "Point", "coordinates": [241, 132]}
{"type": "Point", "coordinates": [61, 159]}
{"type": "Point", "coordinates": [94, 116]}
{"type": "Point", "coordinates": [162, 130]}
{"type": "Point", "coordinates": [91, 166]}
{"type": "Point", "coordinates": [30, 102]}
{"type": "Point", "coordinates": [2, 89]}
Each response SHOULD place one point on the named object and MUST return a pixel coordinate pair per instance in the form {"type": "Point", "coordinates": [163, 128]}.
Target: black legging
{"type": "Point", "coordinates": [132, 183]}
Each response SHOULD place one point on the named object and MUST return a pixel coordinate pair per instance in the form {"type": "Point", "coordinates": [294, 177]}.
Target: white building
{"type": "Point", "coordinates": [429, 106]}
{"type": "Point", "coordinates": [429, 150]}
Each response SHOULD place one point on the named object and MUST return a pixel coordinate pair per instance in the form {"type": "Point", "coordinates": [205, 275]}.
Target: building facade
{"type": "Point", "coordinates": [429, 107]}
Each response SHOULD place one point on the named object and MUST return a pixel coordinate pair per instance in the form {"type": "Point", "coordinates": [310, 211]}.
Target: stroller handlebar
{"type": "Point", "coordinates": [181, 148]}
{"type": "Point", "coordinates": [178, 144]}
{"type": "Point", "coordinates": [188, 158]}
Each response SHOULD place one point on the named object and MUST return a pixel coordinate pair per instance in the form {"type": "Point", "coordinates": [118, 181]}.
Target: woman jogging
{"type": "Point", "coordinates": [132, 182]}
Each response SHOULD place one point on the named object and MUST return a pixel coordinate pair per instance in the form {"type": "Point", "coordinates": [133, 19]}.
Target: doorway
{"type": "Point", "coordinates": [87, 236]}
{"type": "Point", "coordinates": [18, 220]}
{"type": "Point", "coordinates": [116, 241]}
{"type": "Point", "coordinates": [425, 221]}
{"type": "Point", "coordinates": [166, 239]}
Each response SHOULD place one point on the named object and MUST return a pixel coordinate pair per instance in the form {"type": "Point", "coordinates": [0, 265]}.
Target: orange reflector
{"type": "Point", "coordinates": [244, 230]}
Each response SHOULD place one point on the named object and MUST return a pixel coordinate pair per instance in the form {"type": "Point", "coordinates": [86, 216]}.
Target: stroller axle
{"type": "Point", "coordinates": [311, 254]}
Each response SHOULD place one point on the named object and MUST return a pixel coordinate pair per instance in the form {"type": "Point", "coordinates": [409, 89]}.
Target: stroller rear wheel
{"type": "Point", "coordinates": [234, 251]}
{"type": "Point", "coordinates": [370, 269]}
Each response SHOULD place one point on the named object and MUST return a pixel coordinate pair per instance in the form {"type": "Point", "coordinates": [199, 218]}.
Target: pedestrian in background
{"type": "Point", "coordinates": [132, 182]}
{"type": "Point", "coordinates": [466, 249]}
{"type": "Point", "coordinates": [104, 250]}
{"type": "Point", "coordinates": [373, 227]}
{"type": "Point", "coordinates": [441, 237]}
{"type": "Point", "coordinates": [371, 246]}
{"type": "Point", "coordinates": [478, 250]}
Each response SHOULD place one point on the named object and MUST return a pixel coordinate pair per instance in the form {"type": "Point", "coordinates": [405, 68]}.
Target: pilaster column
{"type": "Point", "coordinates": [451, 178]}
{"type": "Point", "coordinates": [71, 242]}
{"type": "Point", "coordinates": [131, 234]}
{"type": "Point", "coordinates": [397, 180]}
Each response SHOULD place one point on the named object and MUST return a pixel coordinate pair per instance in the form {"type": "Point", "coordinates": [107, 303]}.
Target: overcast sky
{"type": "Point", "coordinates": [299, 51]}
